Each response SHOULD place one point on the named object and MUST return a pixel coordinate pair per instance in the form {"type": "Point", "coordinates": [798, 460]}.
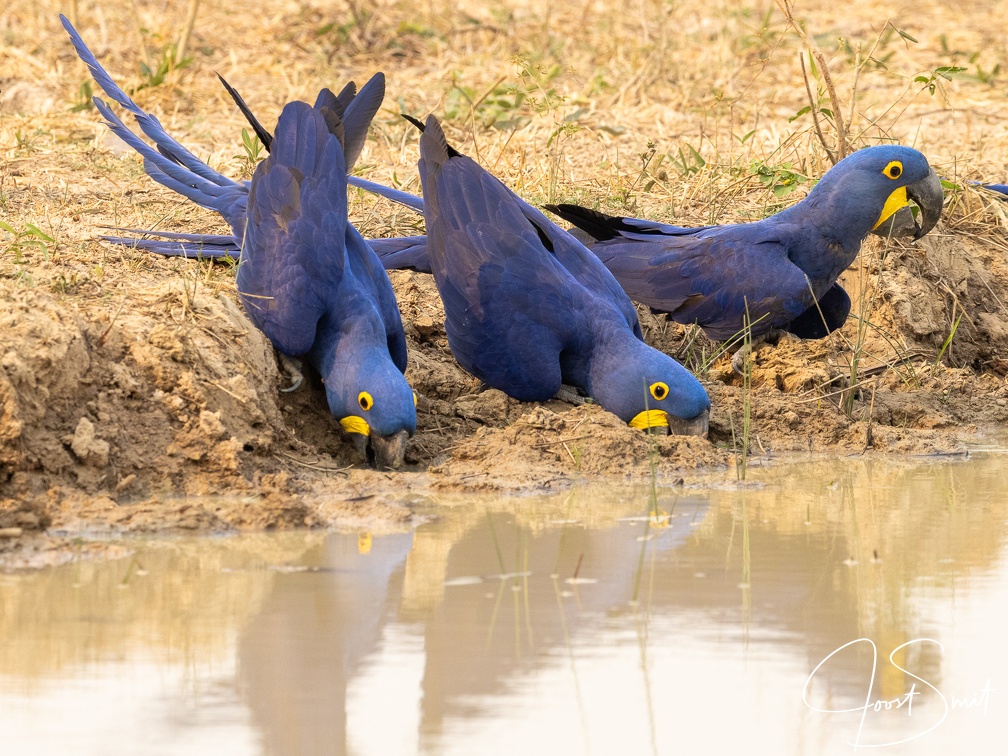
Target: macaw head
{"type": "Point", "coordinates": [373, 402]}
{"type": "Point", "coordinates": [648, 389]}
{"type": "Point", "coordinates": [872, 190]}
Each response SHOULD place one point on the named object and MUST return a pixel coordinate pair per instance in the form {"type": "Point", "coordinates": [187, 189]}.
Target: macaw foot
{"type": "Point", "coordinates": [293, 368]}
{"type": "Point", "coordinates": [746, 352]}
{"type": "Point", "coordinates": [571, 395]}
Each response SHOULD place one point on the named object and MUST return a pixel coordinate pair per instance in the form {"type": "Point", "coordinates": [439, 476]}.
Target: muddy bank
{"type": "Point", "coordinates": [159, 409]}
{"type": "Point", "coordinates": [136, 396]}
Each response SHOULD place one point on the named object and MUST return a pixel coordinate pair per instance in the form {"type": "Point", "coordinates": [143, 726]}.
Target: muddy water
{"type": "Point", "coordinates": [568, 624]}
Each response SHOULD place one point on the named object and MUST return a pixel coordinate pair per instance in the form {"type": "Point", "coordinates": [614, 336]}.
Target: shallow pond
{"type": "Point", "coordinates": [573, 623]}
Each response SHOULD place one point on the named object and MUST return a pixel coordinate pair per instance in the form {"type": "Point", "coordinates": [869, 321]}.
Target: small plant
{"type": "Point", "coordinates": [780, 179]}
{"type": "Point", "coordinates": [947, 344]}
{"type": "Point", "coordinates": [553, 144]}
{"type": "Point", "coordinates": [154, 76]}
{"type": "Point", "coordinates": [934, 80]}
{"type": "Point", "coordinates": [63, 284]}
{"type": "Point", "coordinates": [690, 162]}
{"type": "Point", "coordinates": [84, 99]}
{"type": "Point", "coordinates": [253, 149]}
{"type": "Point", "coordinates": [30, 237]}
{"type": "Point", "coordinates": [747, 360]}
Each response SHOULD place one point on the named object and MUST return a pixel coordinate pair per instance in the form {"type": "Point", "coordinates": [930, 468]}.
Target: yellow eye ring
{"type": "Point", "coordinates": [893, 170]}
{"type": "Point", "coordinates": [659, 390]}
{"type": "Point", "coordinates": [415, 398]}
{"type": "Point", "coordinates": [365, 401]}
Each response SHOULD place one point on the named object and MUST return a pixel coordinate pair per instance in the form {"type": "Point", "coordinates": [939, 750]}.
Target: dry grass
{"type": "Point", "coordinates": [568, 100]}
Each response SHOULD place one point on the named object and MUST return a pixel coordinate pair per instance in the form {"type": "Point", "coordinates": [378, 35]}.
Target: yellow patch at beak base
{"type": "Point", "coordinates": [896, 200]}
{"type": "Point", "coordinates": [354, 424]}
{"type": "Point", "coordinates": [649, 419]}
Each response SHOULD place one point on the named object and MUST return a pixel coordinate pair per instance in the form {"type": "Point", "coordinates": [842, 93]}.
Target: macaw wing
{"type": "Point", "coordinates": [823, 317]}
{"type": "Point", "coordinates": [713, 277]}
{"type": "Point", "coordinates": [369, 275]}
{"type": "Point", "coordinates": [509, 308]}
{"type": "Point", "coordinates": [293, 256]}
{"type": "Point", "coordinates": [501, 316]}
{"type": "Point", "coordinates": [584, 266]}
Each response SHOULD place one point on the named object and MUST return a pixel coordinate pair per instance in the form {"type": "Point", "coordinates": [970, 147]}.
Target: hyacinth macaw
{"type": "Point", "coordinates": [778, 268]}
{"type": "Point", "coordinates": [783, 269]}
{"type": "Point", "coordinates": [528, 307]}
{"type": "Point", "coordinates": [306, 277]}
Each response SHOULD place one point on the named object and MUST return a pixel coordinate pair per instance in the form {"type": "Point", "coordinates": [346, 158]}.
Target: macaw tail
{"type": "Point", "coordinates": [354, 112]}
{"type": "Point", "coordinates": [190, 246]}
{"type": "Point", "coordinates": [403, 198]}
{"type": "Point", "coordinates": [171, 164]}
{"type": "Point", "coordinates": [408, 252]}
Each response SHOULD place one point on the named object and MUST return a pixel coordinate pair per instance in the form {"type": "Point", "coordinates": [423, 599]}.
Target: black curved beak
{"type": "Point", "coordinates": [898, 225]}
{"type": "Point", "coordinates": [387, 452]}
{"type": "Point", "coordinates": [696, 426]}
{"type": "Point", "coordinates": [930, 198]}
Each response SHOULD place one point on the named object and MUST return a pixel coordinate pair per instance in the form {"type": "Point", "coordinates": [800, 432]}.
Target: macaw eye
{"type": "Point", "coordinates": [659, 390]}
{"type": "Point", "coordinates": [365, 401]}
{"type": "Point", "coordinates": [414, 398]}
{"type": "Point", "coordinates": [894, 170]}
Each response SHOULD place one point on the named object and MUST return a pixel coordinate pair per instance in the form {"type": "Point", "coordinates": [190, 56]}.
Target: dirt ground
{"type": "Point", "coordinates": [136, 396]}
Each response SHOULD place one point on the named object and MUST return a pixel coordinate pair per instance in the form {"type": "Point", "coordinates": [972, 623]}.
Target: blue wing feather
{"type": "Point", "coordinates": [712, 278]}
{"type": "Point", "coordinates": [297, 218]}
{"type": "Point", "coordinates": [499, 281]}
{"type": "Point", "coordinates": [358, 115]}
{"type": "Point", "coordinates": [176, 167]}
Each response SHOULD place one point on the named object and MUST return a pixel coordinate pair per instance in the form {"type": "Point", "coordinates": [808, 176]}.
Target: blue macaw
{"type": "Point", "coordinates": [306, 277]}
{"type": "Point", "coordinates": [528, 308]}
{"type": "Point", "coordinates": [782, 269]}
{"type": "Point", "coordinates": [778, 268]}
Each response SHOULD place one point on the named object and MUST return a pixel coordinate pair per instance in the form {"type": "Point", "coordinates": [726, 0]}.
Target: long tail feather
{"type": "Point", "coordinates": [264, 136]}
{"type": "Point", "coordinates": [408, 252]}
{"type": "Point", "coordinates": [190, 246]}
{"type": "Point", "coordinates": [403, 198]}
{"type": "Point", "coordinates": [168, 159]}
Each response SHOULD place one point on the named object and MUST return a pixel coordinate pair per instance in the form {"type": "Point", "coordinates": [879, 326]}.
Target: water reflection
{"type": "Point", "coordinates": [572, 623]}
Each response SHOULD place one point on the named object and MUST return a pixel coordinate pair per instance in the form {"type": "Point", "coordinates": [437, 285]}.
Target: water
{"type": "Point", "coordinates": [562, 624]}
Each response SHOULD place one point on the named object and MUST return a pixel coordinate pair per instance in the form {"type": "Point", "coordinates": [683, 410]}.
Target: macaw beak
{"type": "Point", "coordinates": [930, 198]}
{"type": "Point", "coordinates": [696, 426]}
{"type": "Point", "coordinates": [662, 423]}
{"type": "Point", "coordinates": [387, 452]}
{"type": "Point", "coordinates": [381, 452]}
{"type": "Point", "coordinates": [927, 194]}
{"type": "Point", "coordinates": [898, 225]}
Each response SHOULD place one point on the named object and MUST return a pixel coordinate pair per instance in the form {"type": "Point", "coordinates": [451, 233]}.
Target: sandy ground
{"type": "Point", "coordinates": [136, 396]}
